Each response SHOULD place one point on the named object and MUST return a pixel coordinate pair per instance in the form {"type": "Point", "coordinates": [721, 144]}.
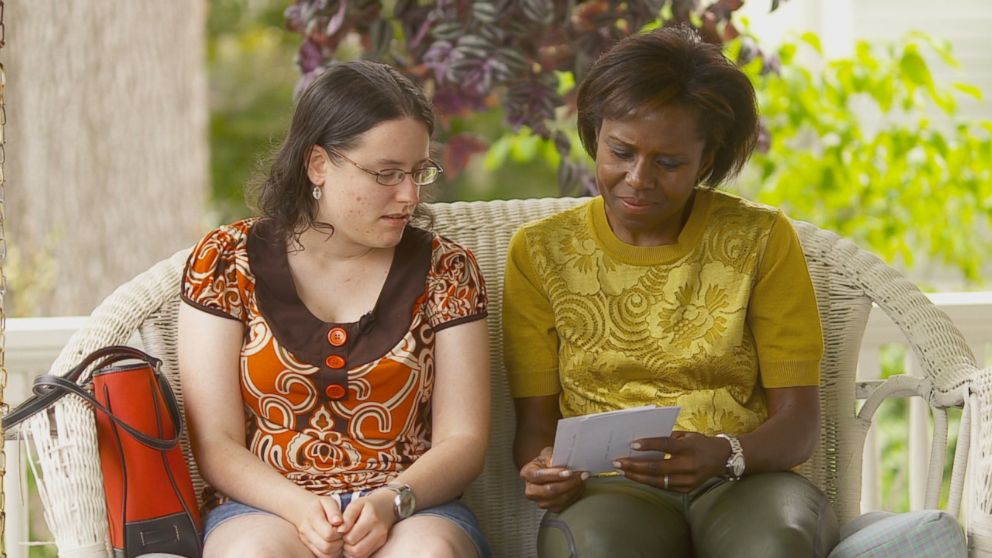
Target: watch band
{"type": "Point", "coordinates": [735, 463]}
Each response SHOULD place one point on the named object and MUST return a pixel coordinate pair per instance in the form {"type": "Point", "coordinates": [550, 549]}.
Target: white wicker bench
{"type": "Point", "coordinates": [847, 281]}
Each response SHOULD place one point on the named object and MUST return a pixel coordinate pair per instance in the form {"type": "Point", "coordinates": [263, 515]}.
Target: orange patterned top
{"type": "Point", "coordinates": [335, 407]}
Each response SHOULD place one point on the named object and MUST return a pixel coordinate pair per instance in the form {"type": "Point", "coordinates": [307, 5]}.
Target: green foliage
{"type": "Point", "coordinates": [31, 274]}
{"type": "Point", "coordinates": [37, 529]}
{"type": "Point", "coordinates": [250, 64]}
{"type": "Point", "coordinates": [855, 149]}
{"type": "Point", "coordinates": [892, 434]}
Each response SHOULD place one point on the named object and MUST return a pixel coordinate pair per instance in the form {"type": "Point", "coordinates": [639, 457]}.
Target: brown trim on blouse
{"type": "Point", "coordinates": [208, 309]}
{"type": "Point", "coordinates": [305, 335]}
{"type": "Point", "coordinates": [462, 320]}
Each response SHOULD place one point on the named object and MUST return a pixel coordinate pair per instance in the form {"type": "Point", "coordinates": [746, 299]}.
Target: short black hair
{"type": "Point", "coordinates": [673, 66]}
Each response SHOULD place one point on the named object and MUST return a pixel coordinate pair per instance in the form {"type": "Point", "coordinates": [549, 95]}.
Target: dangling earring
{"type": "Point", "coordinates": [316, 192]}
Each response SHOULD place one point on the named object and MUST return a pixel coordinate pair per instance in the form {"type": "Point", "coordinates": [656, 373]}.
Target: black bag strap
{"type": "Point", "coordinates": [49, 388]}
{"type": "Point", "coordinates": [49, 382]}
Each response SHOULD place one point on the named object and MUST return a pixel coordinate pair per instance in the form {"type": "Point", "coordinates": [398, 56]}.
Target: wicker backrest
{"type": "Point", "coordinates": [836, 465]}
{"type": "Point", "coordinates": [979, 513]}
{"type": "Point", "coordinates": [508, 519]}
{"type": "Point", "coordinates": [847, 281]}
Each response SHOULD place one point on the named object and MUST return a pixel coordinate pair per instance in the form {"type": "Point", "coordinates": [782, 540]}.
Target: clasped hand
{"type": "Point", "coordinates": [357, 532]}
{"type": "Point", "coordinates": [691, 460]}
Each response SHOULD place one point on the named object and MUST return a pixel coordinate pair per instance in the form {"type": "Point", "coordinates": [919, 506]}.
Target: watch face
{"type": "Point", "coordinates": [404, 504]}
{"type": "Point", "coordinates": [736, 465]}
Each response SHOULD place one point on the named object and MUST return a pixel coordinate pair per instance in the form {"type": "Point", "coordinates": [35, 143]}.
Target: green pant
{"type": "Point", "coordinates": [762, 516]}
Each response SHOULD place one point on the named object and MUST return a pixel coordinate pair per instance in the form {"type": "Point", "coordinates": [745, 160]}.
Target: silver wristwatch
{"type": "Point", "coordinates": [735, 463]}
{"type": "Point", "coordinates": [404, 502]}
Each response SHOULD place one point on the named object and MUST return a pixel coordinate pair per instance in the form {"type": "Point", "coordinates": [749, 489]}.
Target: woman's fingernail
{"type": "Point", "coordinates": [621, 473]}
{"type": "Point", "coordinates": [565, 474]}
{"type": "Point", "coordinates": [585, 475]}
{"type": "Point", "coordinates": [635, 445]}
{"type": "Point", "coordinates": [616, 464]}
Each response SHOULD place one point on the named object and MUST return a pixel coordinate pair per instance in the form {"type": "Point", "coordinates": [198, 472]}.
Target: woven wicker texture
{"type": "Point", "coordinates": [847, 281]}
{"type": "Point", "coordinates": [72, 487]}
{"type": "Point", "coordinates": [979, 513]}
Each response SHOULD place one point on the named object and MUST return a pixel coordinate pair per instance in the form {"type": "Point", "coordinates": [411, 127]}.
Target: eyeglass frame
{"type": "Point", "coordinates": [380, 174]}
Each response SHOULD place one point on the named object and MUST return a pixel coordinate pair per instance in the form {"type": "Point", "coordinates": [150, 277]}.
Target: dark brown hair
{"type": "Point", "coordinates": [673, 66]}
{"type": "Point", "coordinates": [344, 102]}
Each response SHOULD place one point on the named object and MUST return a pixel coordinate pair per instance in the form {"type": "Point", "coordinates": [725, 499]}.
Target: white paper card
{"type": "Point", "coordinates": [592, 442]}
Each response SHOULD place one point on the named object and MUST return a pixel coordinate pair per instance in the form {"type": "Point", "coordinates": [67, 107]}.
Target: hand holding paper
{"type": "Point", "coordinates": [592, 442]}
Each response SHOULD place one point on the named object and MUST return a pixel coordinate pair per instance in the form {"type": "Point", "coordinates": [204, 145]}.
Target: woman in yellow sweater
{"type": "Point", "coordinates": [665, 291]}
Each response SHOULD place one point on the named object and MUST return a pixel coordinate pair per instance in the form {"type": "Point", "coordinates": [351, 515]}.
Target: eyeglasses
{"type": "Point", "coordinates": [422, 176]}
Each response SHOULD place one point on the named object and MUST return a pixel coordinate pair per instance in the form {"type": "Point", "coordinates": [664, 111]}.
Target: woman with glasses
{"type": "Point", "coordinates": [334, 354]}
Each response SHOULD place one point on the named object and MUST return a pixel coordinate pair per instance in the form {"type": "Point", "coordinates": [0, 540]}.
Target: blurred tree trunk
{"type": "Point", "coordinates": [106, 143]}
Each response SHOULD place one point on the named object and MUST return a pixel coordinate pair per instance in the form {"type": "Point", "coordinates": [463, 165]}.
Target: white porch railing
{"type": "Point", "coordinates": [33, 344]}
{"type": "Point", "coordinates": [972, 314]}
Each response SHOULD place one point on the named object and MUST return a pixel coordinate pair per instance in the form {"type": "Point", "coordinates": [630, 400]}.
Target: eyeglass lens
{"type": "Point", "coordinates": [421, 177]}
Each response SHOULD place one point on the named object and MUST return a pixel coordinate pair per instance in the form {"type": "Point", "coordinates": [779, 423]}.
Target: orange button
{"type": "Point", "coordinates": [335, 391]}
{"type": "Point", "coordinates": [337, 336]}
{"type": "Point", "coordinates": [335, 361]}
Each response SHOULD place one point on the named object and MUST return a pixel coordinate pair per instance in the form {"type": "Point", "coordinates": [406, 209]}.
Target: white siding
{"type": "Point", "coordinates": [967, 24]}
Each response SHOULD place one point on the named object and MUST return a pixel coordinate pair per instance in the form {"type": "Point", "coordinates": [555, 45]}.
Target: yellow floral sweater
{"type": "Point", "coordinates": [697, 324]}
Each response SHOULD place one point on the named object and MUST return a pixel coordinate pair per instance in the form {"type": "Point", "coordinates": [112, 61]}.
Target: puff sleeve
{"type": "Point", "coordinates": [216, 272]}
{"type": "Point", "coordinates": [456, 289]}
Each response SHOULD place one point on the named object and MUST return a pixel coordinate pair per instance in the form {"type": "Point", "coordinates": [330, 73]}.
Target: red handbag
{"type": "Point", "coordinates": [151, 504]}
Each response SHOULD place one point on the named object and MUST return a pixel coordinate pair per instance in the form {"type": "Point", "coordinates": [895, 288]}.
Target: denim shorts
{"type": "Point", "coordinates": [454, 511]}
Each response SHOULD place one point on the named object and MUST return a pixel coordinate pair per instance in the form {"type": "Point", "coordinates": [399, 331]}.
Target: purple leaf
{"type": "Point", "coordinates": [588, 183]}
{"type": "Point", "coordinates": [337, 20]}
{"type": "Point", "coordinates": [380, 35]}
{"type": "Point", "coordinates": [532, 102]}
{"type": "Point", "coordinates": [459, 151]}
{"type": "Point", "coordinates": [422, 30]}
{"type": "Point", "coordinates": [562, 144]}
{"type": "Point", "coordinates": [305, 81]}
{"type": "Point", "coordinates": [538, 11]}
{"type": "Point", "coordinates": [438, 59]}
{"type": "Point", "coordinates": [294, 18]}
{"type": "Point", "coordinates": [575, 179]}
{"type": "Point", "coordinates": [309, 57]}
{"type": "Point", "coordinates": [451, 101]}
